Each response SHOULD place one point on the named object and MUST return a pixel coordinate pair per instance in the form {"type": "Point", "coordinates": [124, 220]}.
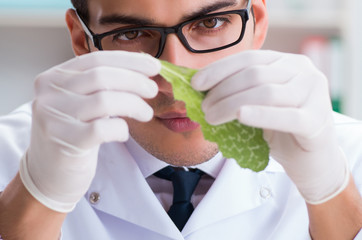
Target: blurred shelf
{"type": "Point", "coordinates": [277, 18]}
{"type": "Point", "coordinates": [35, 4]}
{"type": "Point", "coordinates": [32, 18]}
{"type": "Point", "coordinates": [330, 20]}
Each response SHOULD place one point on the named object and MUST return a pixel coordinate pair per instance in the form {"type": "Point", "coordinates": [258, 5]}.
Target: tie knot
{"type": "Point", "coordinates": [184, 182]}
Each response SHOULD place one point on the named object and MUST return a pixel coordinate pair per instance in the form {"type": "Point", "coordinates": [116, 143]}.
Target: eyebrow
{"type": "Point", "coordinates": [126, 19]}
{"type": "Point", "coordinates": [210, 8]}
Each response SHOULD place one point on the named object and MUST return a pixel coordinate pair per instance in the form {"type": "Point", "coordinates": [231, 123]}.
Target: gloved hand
{"type": "Point", "coordinates": [285, 95]}
{"type": "Point", "coordinates": [78, 106]}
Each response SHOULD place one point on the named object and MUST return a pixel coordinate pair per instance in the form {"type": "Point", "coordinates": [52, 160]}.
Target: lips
{"type": "Point", "coordinates": [177, 122]}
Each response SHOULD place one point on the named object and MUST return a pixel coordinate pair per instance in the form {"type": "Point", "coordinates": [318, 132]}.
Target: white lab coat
{"type": "Point", "coordinates": [241, 204]}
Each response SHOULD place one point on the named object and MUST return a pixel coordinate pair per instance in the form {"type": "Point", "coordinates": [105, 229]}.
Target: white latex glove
{"type": "Point", "coordinates": [78, 106]}
{"type": "Point", "coordinates": [285, 95]}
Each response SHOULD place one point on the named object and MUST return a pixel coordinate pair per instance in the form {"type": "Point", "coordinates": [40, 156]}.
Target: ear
{"type": "Point", "coordinates": [261, 23]}
{"type": "Point", "coordinates": [77, 35]}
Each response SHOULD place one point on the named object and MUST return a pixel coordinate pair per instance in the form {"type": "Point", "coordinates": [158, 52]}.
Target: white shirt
{"type": "Point", "coordinates": [240, 204]}
{"type": "Point", "coordinates": [163, 189]}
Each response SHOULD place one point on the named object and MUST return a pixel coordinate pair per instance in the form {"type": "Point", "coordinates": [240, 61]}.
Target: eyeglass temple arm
{"type": "Point", "coordinates": [85, 27]}
{"type": "Point", "coordinates": [248, 7]}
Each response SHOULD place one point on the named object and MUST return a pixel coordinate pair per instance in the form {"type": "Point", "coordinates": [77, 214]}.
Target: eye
{"type": "Point", "coordinates": [212, 22]}
{"type": "Point", "coordinates": [127, 36]}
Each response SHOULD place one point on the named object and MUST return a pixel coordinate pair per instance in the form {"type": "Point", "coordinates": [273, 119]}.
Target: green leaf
{"type": "Point", "coordinates": [245, 144]}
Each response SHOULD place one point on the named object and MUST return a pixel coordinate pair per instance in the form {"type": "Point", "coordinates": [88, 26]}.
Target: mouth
{"type": "Point", "coordinates": [177, 122]}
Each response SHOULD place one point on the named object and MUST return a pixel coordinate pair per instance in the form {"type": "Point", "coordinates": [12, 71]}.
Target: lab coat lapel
{"type": "Point", "coordinates": [234, 191]}
{"type": "Point", "coordinates": [126, 194]}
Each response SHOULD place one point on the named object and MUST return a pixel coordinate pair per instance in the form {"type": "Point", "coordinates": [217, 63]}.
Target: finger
{"type": "Point", "coordinates": [214, 73]}
{"type": "Point", "coordinates": [83, 136]}
{"type": "Point", "coordinates": [293, 63]}
{"type": "Point", "coordinates": [249, 78]}
{"type": "Point", "coordinates": [292, 94]}
{"type": "Point", "coordinates": [267, 95]}
{"type": "Point", "coordinates": [99, 105]}
{"type": "Point", "coordinates": [108, 130]}
{"type": "Point", "coordinates": [116, 104]}
{"type": "Point", "coordinates": [139, 62]}
{"type": "Point", "coordinates": [288, 120]}
{"type": "Point", "coordinates": [106, 78]}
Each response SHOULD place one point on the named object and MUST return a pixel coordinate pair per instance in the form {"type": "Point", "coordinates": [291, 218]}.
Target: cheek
{"type": "Point", "coordinates": [247, 43]}
{"type": "Point", "coordinates": [206, 59]}
{"type": "Point", "coordinates": [248, 40]}
{"type": "Point", "coordinates": [163, 86]}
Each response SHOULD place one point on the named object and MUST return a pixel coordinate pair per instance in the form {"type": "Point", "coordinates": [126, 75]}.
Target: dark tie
{"type": "Point", "coordinates": [184, 184]}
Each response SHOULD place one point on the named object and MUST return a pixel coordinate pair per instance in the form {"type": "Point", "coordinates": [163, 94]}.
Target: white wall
{"type": "Point", "coordinates": [24, 53]}
{"type": "Point", "coordinates": [354, 49]}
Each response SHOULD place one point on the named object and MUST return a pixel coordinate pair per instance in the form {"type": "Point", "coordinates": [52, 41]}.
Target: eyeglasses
{"type": "Point", "coordinates": [209, 33]}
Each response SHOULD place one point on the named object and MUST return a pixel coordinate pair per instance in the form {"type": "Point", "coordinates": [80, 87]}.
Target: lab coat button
{"type": "Point", "coordinates": [94, 197]}
{"type": "Point", "coordinates": [265, 192]}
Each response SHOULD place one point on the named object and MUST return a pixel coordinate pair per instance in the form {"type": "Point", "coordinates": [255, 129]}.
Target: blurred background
{"type": "Point", "coordinates": [33, 38]}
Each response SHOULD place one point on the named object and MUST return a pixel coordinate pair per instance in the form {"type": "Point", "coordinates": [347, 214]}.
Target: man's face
{"type": "Point", "coordinates": [170, 136]}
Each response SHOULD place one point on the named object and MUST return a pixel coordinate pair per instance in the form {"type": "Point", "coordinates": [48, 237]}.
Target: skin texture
{"type": "Point", "coordinates": [22, 216]}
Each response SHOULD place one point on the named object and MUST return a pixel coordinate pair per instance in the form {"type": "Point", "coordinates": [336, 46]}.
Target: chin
{"type": "Point", "coordinates": [187, 155]}
{"type": "Point", "coordinates": [176, 148]}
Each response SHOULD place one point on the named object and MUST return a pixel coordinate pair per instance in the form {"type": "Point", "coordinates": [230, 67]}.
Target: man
{"type": "Point", "coordinates": [82, 177]}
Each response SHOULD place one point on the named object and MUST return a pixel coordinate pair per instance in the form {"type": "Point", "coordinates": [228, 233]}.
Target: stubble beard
{"type": "Point", "coordinates": [187, 155]}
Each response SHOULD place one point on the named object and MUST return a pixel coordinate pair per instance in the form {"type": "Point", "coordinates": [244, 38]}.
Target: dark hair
{"type": "Point", "coordinates": [82, 9]}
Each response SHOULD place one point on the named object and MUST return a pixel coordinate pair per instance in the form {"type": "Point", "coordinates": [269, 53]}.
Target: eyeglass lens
{"type": "Point", "coordinates": [202, 34]}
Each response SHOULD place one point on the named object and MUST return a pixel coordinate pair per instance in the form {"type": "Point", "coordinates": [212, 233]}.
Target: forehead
{"type": "Point", "coordinates": [162, 11]}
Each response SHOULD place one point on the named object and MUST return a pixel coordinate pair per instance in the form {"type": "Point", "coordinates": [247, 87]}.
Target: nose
{"type": "Point", "coordinates": [175, 52]}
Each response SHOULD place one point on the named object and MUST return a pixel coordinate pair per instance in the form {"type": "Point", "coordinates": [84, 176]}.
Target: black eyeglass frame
{"type": "Point", "coordinates": [177, 29]}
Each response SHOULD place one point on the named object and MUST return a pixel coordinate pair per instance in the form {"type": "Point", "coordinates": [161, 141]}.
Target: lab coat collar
{"type": "Point", "coordinates": [126, 194]}
{"type": "Point", "coordinates": [213, 166]}
{"type": "Point", "coordinates": [147, 163]}
{"type": "Point", "coordinates": [274, 166]}
{"type": "Point", "coordinates": [234, 200]}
